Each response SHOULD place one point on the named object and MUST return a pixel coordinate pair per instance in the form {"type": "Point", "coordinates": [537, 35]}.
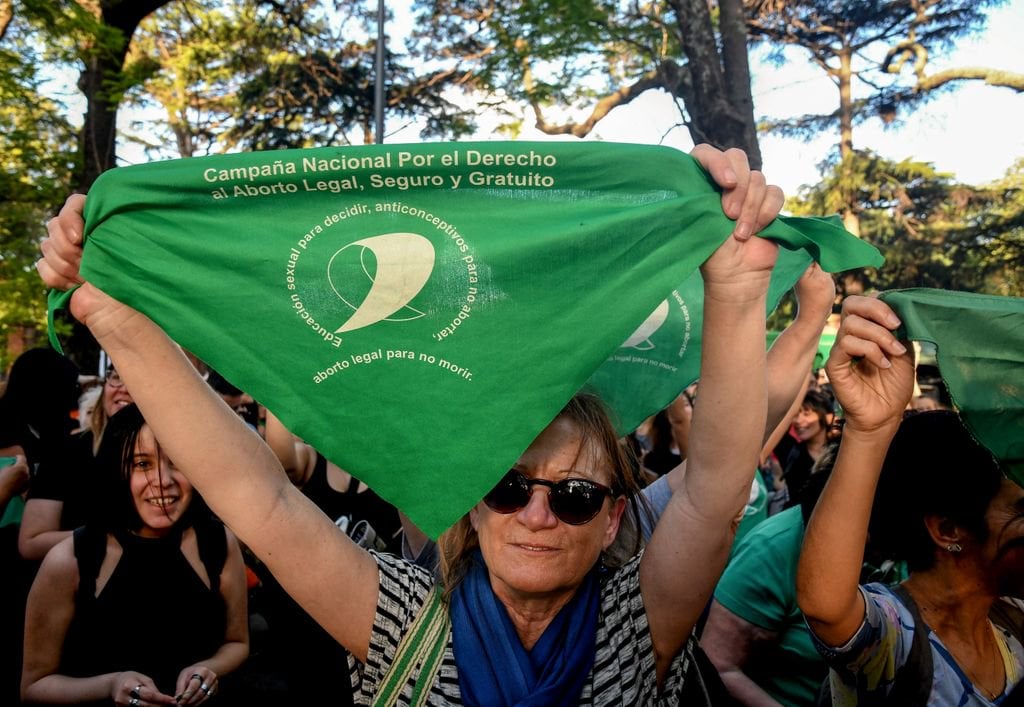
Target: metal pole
{"type": "Point", "coordinates": [378, 89]}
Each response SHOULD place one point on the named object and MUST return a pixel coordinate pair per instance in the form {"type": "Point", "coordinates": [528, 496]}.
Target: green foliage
{"type": "Point", "coordinates": [67, 32]}
{"type": "Point", "coordinates": [184, 60]}
{"type": "Point", "coordinates": [996, 222]}
{"type": "Point", "coordinates": [933, 231]}
{"type": "Point", "coordinates": [37, 156]}
{"type": "Point", "coordinates": [553, 52]}
{"type": "Point", "coordinates": [255, 75]}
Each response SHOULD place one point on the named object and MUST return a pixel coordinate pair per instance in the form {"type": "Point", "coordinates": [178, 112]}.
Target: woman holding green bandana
{"type": "Point", "coordinates": [536, 617]}
{"type": "Point", "coordinates": [944, 506]}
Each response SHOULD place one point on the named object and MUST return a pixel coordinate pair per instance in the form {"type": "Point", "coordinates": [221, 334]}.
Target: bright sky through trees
{"type": "Point", "coordinates": [972, 131]}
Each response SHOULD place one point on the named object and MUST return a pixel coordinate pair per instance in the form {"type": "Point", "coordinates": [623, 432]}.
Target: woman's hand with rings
{"type": "Point", "coordinates": [133, 689]}
{"type": "Point", "coordinates": [196, 684]}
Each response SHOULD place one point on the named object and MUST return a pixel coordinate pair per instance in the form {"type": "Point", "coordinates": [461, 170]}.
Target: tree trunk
{"type": "Point", "coordinates": [97, 141]}
{"type": "Point", "coordinates": [732, 26]}
{"type": "Point", "coordinates": [183, 138]}
{"type": "Point", "coordinates": [713, 118]}
{"type": "Point", "coordinates": [103, 65]}
{"type": "Point", "coordinates": [6, 15]}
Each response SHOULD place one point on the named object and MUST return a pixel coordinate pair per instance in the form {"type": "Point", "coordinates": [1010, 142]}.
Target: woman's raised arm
{"type": "Point", "coordinates": [872, 374]}
{"type": "Point", "coordinates": [691, 541]}
{"type": "Point", "coordinates": [228, 463]}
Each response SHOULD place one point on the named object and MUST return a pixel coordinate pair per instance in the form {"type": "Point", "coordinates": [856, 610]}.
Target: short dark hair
{"type": "Point", "coordinates": [114, 459]}
{"type": "Point", "coordinates": [42, 389]}
{"type": "Point", "coordinates": [821, 402]}
{"type": "Point", "coordinates": [934, 467]}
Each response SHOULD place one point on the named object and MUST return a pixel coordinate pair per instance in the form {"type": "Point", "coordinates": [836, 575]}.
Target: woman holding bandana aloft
{"type": "Point", "coordinates": [946, 508]}
{"type": "Point", "coordinates": [536, 616]}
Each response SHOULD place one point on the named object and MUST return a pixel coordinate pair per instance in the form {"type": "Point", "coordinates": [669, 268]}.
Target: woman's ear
{"type": "Point", "coordinates": [946, 534]}
{"type": "Point", "coordinates": [614, 521]}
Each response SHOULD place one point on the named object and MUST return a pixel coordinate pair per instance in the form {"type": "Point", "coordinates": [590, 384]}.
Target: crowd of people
{"type": "Point", "coordinates": [773, 537]}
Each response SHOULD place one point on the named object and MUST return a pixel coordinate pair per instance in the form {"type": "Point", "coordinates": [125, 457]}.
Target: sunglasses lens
{"type": "Point", "coordinates": [509, 495]}
{"type": "Point", "coordinates": [576, 501]}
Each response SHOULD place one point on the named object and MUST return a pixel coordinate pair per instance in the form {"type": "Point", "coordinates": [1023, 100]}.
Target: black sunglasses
{"type": "Point", "coordinates": [573, 501]}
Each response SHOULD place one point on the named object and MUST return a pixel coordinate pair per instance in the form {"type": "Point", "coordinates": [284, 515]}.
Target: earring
{"type": "Point", "coordinates": [954, 548]}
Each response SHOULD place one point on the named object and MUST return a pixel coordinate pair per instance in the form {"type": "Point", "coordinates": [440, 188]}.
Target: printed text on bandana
{"type": "Point", "coordinates": [385, 257]}
{"type": "Point", "coordinates": [397, 169]}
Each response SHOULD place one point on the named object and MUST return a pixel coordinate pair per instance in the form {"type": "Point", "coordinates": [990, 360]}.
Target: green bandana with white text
{"type": "Point", "coordinates": [419, 313]}
{"type": "Point", "coordinates": [979, 343]}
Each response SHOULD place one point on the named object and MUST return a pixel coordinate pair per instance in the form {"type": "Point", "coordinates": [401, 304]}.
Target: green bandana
{"type": "Point", "coordinates": [418, 313]}
{"type": "Point", "coordinates": [979, 342]}
{"type": "Point", "coordinates": [662, 356]}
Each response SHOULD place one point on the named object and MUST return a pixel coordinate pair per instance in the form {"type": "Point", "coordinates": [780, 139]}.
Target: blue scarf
{"type": "Point", "coordinates": [495, 669]}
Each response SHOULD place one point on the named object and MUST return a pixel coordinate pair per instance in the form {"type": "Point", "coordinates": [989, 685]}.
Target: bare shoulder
{"type": "Point", "coordinates": [60, 564]}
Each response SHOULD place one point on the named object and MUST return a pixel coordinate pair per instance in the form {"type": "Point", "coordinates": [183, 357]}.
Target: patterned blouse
{"type": "Point", "coordinates": [864, 669]}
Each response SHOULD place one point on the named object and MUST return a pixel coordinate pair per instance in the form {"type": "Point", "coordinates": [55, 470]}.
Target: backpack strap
{"type": "Point", "coordinates": [913, 682]}
{"type": "Point", "coordinates": [213, 550]}
{"type": "Point", "coordinates": [422, 645]}
{"type": "Point", "coordinates": [90, 545]}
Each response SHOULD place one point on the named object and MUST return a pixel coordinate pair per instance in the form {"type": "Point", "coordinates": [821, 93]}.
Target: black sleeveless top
{"type": "Point", "coordinates": [155, 615]}
{"type": "Point", "coordinates": [354, 506]}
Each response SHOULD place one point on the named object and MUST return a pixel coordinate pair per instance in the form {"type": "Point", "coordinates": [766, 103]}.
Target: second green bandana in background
{"type": "Point", "coordinates": [979, 343]}
{"type": "Point", "coordinates": [417, 313]}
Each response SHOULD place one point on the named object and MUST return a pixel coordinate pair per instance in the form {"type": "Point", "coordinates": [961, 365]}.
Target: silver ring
{"type": "Point", "coordinates": [134, 702]}
{"type": "Point", "coordinates": [205, 688]}
{"type": "Point", "coordinates": [135, 693]}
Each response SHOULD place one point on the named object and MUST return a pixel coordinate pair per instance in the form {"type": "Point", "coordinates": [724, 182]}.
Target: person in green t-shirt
{"type": "Point", "coordinates": [755, 634]}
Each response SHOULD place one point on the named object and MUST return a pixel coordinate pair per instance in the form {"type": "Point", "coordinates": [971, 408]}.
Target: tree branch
{"type": "Point", "coordinates": [992, 77]}
{"type": "Point", "coordinates": [652, 79]}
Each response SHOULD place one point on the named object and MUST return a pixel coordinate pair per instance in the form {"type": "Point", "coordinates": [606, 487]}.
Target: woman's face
{"type": "Point", "coordinates": [161, 493]}
{"type": "Point", "coordinates": [530, 553]}
{"type": "Point", "coordinates": [807, 424]}
{"type": "Point", "coordinates": [115, 394]}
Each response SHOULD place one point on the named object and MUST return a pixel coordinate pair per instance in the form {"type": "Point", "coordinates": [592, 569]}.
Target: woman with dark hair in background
{"type": "Point", "coordinates": [36, 406]}
{"type": "Point", "coordinates": [63, 493]}
{"type": "Point", "coordinates": [147, 606]}
{"type": "Point", "coordinates": [35, 419]}
{"type": "Point", "coordinates": [797, 451]}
